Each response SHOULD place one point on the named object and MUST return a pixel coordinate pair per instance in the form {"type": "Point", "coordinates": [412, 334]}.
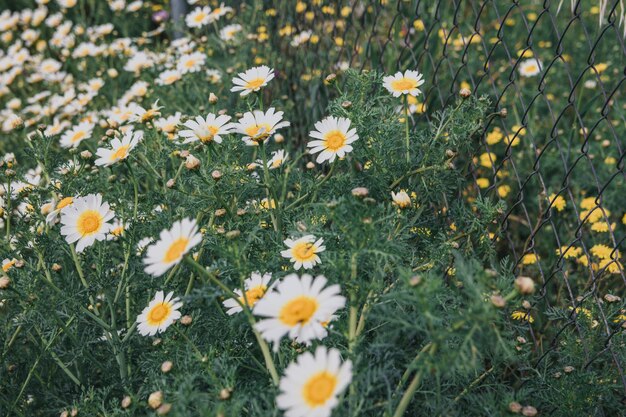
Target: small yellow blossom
{"type": "Point", "coordinates": [529, 259]}
{"type": "Point", "coordinates": [557, 201]}
{"type": "Point", "coordinates": [522, 316]}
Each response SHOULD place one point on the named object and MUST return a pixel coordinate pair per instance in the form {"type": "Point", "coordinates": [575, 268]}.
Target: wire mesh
{"type": "Point", "coordinates": [555, 154]}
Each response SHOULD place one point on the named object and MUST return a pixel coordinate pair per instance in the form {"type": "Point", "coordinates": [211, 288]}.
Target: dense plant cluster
{"type": "Point", "coordinates": [227, 215]}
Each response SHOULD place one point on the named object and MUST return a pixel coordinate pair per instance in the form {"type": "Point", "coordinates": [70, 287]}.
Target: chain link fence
{"type": "Point", "coordinates": [553, 149]}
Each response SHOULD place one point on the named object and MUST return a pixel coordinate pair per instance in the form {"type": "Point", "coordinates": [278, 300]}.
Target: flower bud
{"type": "Point", "coordinates": [225, 393]}
{"type": "Point", "coordinates": [465, 92]}
{"type": "Point", "coordinates": [164, 409]}
{"type": "Point", "coordinates": [191, 162]}
{"type": "Point", "coordinates": [216, 175]}
{"type": "Point", "coordinates": [525, 285]}
{"type": "Point", "coordinates": [155, 400]}
{"type": "Point", "coordinates": [360, 192]}
{"type": "Point", "coordinates": [126, 402]}
{"type": "Point", "coordinates": [498, 301]}
{"type": "Point", "coordinates": [170, 183]}
{"type": "Point", "coordinates": [515, 407]}
{"type": "Point", "coordinates": [186, 320]}
{"type": "Point", "coordinates": [212, 98]}
{"type": "Point", "coordinates": [166, 366]}
{"type": "Point", "coordinates": [529, 411]}
{"type": "Point", "coordinates": [4, 283]}
{"type": "Point", "coordinates": [86, 154]}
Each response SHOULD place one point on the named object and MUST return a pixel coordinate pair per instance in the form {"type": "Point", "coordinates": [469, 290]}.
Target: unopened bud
{"type": "Point", "coordinates": [529, 411]}
{"type": "Point", "coordinates": [4, 283]}
{"type": "Point", "coordinates": [330, 78]}
{"type": "Point", "coordinates": [233, 234]}
{"type": "Point", "coordinates": [86, 154]}
{"type": "Point", "coordinates": [225, 393]}
{"type": "Point", "coordinates": [155, 400]}
{"type": "Point", "coordinates": [498, 301]}
{"type": "Point", "coordinates": [525, 285]}
{"type": "Point", "coordinates": [515, 407]}
{"type": "Point", "coordinates": [465, 92]}
{"type": "Point", "coordinates": [216, 175]}
{"type": "Point", "coordinates": [191, 162]}
{"type": "Point", "coordinates": [526, 304]}
{"type": "Point", "coordinates": [164, 409]}
{"type": "Point", "coordinates": [186, 320]}
{"type": "Point", "coordinates": [415, 280]}
{"type": "Point", "coordinates": [278, 138]}
{"type": "Point", "coordinates": [170, 183]}
{"type": "Point", "coordinates": [610, 298]}
{"type": "Point", "coordinates": [212, 98]}
{"type": "Point", "coordinates": [504, 112]}
{"type": "Point", "coordinates": [346, 104]}
{"type": "Point", "coordinates": [360, 192]}
{"type": "Point", "coordinates": [126, 402]}
{"type": "Point", "coordinates": [166, 366]}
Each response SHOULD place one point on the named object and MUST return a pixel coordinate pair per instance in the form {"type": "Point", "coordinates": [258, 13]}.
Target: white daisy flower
{"type": "Point", "coordinates": [85, 221]}
{"type": "Point", "coordinates": [169, 77]}
{"type": "Point", "coordinates": [252, 80]}
{"type": "Point", "coordinates": [303, 252]}
{"type": "Point", "coordinates": [333, 138]}
{"type": "Point", "coordinates": [191, 62]}
{"type": "Point", "coordinates": [256, 286]}
{"type": "Point", "coordinates": [299, 307]}
{"type": "Point", "coordinates": [258, 126]}
{"type": "Point", "coordinates": [407, 83]}
{"type": "Point", "coordinates": [401, 199]}
{"type": "Point", "coordinates": [120, 149]}
{"type": "Point", "coordinates": [312, 383]}
{"type": "Point", "coordinates": [7, 264]}
{"type": "Point", "coordinates": [530, 67]}
{"type": "Point", "coordinates": [172, 245]}
{"type": "Point", "coordinates": [199, 17]}
{"type": "Point", "coordinates": [228, 32]}
{"type": "Point", "coordinates": [117, 229]}
{"type": "Point", "coordinates": [56, 210]}
{"type": "Point", "coordinates": [159, 315]}
{"type": "Point", "coordinates": [73, 137]}
{"type": "Point", "coordinates": [141, 115]}
{"type": "Point", "coordinates": [277, 159]}
{"type": "Point", "coordinates": [207, 129]}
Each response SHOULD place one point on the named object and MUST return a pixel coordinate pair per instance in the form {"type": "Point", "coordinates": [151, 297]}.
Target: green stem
{"type": "Point", "coordinates": [135, 190]}
{"type": "Point", "coordinates": [269, 191]}
{"type": "Point", "coordinates": [406, 129]}
{"type": "Point", "coordinates": [8, 216]}
{"type": "Point", "coordinates": [269, 362]}
{"type": "Point", "coordinates": [410, 174]}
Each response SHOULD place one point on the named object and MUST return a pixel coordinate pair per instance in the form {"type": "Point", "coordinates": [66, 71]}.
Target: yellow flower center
{"type": "Point", "coordinates": [89, 222]}
{"type": "Point", "coordinates": [259, 132]}
{"type": "Point", "coordinates": [199, 17]}
{"type": "Point", "coordinates": [253, 295]}
{"type": "Point", "coordinates": [159, 313]}
{"type": "Point", "coordinates": [65, 202]}
{"type": "Point", "coordinates": [149, 115]}
{"type": "Point", "coordinates": [303, 251]}
{"type": "Point", "coordinates": [254, 84]}
{"type": "Point", "coordinates": [176, 250]}
{"type": "Point", "coordinates": [298, 311]}
{"type": "Point", "coordinates": [531, 68]}
{"type": "Point", "coordinates": [319, 389]}
{"type": "Point", "coordinates": [335, 140]}
{"type": "Point", "coordinates": [117, 231]}
{"type": "Point", "coordinates": [190, 63]}
{"type": "Point", "coordinates": [403, 84]}
{"type": "Point", "coordinates": [212, 131]}
{"type": "Point", "coordinates": [78, 136]}
{"type": "Point", "coordinates": [120, 153]}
